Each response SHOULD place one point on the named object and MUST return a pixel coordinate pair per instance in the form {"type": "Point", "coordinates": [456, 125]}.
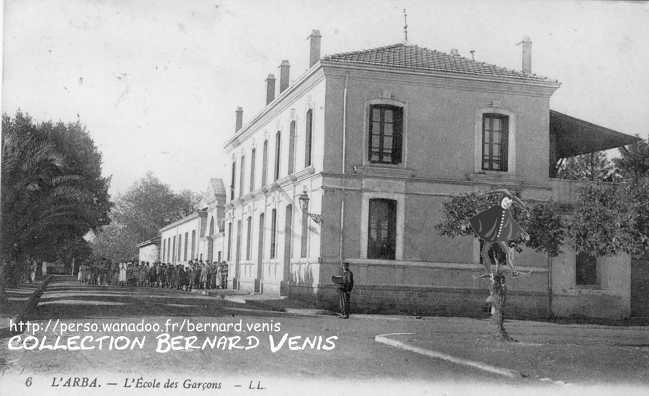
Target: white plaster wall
{"type": "Point", "coordinates": [180, 230]}
{"type": "Point", "coordinates": [610, 299]}
{"type": "Point", "coordinates": [149, 253]}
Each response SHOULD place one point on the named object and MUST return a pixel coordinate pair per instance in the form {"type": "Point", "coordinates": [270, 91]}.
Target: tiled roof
{"type": "Point", "coordinates": [413, 57]}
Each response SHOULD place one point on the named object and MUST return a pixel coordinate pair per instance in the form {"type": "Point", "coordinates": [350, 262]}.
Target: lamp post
{"type": "Point", "coordinates": [303, 199]}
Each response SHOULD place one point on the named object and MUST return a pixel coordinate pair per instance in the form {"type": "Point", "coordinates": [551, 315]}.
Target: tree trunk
{"type": "Point", "coordinates": [3, 295]}
{"type": "Point", "coordinates": [498, 298]}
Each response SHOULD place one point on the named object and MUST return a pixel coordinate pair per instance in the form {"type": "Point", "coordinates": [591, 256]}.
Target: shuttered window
{"type": "Point", "coordinates": [495, 135]}
{"type": "Point", "coordinates": [385, 134]}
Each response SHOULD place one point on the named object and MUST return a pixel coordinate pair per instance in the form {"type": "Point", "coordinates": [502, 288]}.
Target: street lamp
{"type": "Point", "coordinates": [303, 199]}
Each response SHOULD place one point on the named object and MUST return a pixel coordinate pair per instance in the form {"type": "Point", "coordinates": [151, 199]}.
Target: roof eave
{"type": "Point", "coordinates": [291, 88]}
{"type": "Point", "coordinates": [444, 74]}
{"type": "Point", "coordinates": [180, 221]}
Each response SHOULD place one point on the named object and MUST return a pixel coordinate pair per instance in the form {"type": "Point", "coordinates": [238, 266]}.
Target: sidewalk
{"type": "Point", "coordinates": [278, 304]}
{"type": "Point", "coordinates": [568, 353]}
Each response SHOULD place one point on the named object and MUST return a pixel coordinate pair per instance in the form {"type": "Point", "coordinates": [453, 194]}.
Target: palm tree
{"type": "Point", "coordinates": [45, 202]}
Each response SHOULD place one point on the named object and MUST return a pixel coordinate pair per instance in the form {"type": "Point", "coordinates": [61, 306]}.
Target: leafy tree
{"type": "Point", "coordinates": [543, 223]}
{"type": "Point", "coordinates": [138, 214]}
{"type": "Point", "coordinates": [52, 190]}
{"type": "Point", "coordinates": [612, 219]}
{"type": "Point", "coordinates": [115, 243]}
{"type": "Point", "coordinates": [593, 166]}
{"type": "Point", "coordinates": [633, 163]}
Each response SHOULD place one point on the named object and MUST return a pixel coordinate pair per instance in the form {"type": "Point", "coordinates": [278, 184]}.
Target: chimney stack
{"type": "Point", "coordinates": [314, 50]}
{"type": "Point", "coordinates": [239, 119]}
{"type": "Point", "coordinates": [270, 88]}
{"type": "Point", "coordinates": [283, 75]}
{"type": "Point", "coordinates": [527, 55]}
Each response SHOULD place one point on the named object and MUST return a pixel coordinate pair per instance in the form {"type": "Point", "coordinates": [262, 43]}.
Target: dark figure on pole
{"type": "Point", "coordinates": [496, 226]}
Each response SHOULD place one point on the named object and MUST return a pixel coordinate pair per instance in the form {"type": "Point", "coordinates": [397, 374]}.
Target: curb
{"type": "Point", "coordinates": [291, 310]}
{"type": "Point", "coordinates": [383, 339]}
{"type": "Point", "coordinates": [268, 307]}
{"type": "Point", "coordinates": [31, 303]}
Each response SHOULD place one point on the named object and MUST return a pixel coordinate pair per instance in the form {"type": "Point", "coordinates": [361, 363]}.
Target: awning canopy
{"type": "Point", "coordinates": [571, 136]}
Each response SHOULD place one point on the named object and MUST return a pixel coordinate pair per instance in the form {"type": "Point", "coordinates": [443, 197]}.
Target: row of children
{"type": "Point", "coordinates": [195, 275]}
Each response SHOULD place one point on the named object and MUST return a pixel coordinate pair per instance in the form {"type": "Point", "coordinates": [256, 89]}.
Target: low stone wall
{"type": "Point", "coordinates": [590, 304]}
{"type": "Point", "coordinates": [425, 300]}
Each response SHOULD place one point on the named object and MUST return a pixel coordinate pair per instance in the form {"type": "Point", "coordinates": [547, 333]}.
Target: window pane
{"type": "Point", "coordinates": [495, 124]}
{"type": "Point", "coordinates": [388, 115]}
{"type": "Point", "coordinates": [487, 137]}
{"type": "Point", "coordinates": [376, 127]}
{"type": "Point", "coordinates": [376, 114]}
{"type": "Point", "coordinates": [387, 129]}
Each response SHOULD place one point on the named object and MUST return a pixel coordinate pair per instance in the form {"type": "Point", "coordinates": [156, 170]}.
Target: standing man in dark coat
{"type": "Point", "coordinates": [224, 275]}
{"type": "Point", "coordinates": [345, 291]}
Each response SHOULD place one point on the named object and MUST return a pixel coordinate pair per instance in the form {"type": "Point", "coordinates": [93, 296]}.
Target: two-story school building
{"type": "Point", "coordinates": [354, 159]}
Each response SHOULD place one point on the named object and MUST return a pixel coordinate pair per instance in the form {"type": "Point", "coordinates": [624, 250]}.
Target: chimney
{"type": "Point", "coordinates": [527, 55]}
{"type": "Point", "coordinates": [283, 75]}
{"type": "Point", "coordinates": [239, 119]}
{"type": "Point", "coordinates": [270, 88]}
{"type": "Point", "coordinates": [314, 51]}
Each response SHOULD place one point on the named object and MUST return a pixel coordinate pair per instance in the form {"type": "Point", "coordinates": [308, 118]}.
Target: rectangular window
{"type": "Point", "coordinates": [273, 231]}
{"type": "Point", "coordinates": [260, 251]}
{"type": "Point", "coordinates": [264, 170]}
{"type": "Point", "coordinates": [385, 134]}
{"type": "Point", "coordinates": [252, 170]}
{"type": "Point", "coordinates": [242, 169]}
{"type": "Point", "coordinates": [305, 231]}
{"type": "Point", "coordinates": [229, 241]}
{"type": "Point", "coordinates": [495, 135]}
{"type": "Point", "coordinates": [232, 179]}
{"type": "Point", "coordinates": [586, 270]}
{"type": "Point", "coordinates": [248, 239]}
{"type": "Point", "coordinates": [278, 151]}
{"type": "Point", "coordinates": [381, 243]}
{"type": "Point", "coordinates": [193, 244]}
{"type": "Point", "coordinates": [291, 149]}
{"type": "Point", "coordinates": [308, 136]}
{"type": "Point", "coordinates": [185, 246]}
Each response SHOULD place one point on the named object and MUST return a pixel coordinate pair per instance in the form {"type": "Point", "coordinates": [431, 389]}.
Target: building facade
{"type": "Point", "coordinates": [149, 251]}
{"type": "Point", "coordinates": [377, 140]}
{"type": "Point", "coordinates": [198, 236]}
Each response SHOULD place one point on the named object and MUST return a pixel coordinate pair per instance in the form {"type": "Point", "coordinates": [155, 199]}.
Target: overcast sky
{"type": "Point", "coordinates": [157, 82]}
